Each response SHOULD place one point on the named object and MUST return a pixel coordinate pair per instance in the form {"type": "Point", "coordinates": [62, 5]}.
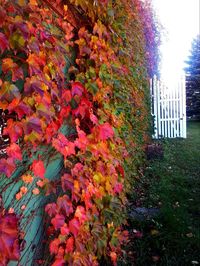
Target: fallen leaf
{"type": "Point", "coordinates": [35, 191]}
{"type": "Point", "coordinates": [189, 235]}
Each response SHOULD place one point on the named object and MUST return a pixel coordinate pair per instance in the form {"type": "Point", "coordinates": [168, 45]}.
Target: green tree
{"type": "Point", "coordinates": [193, 80]}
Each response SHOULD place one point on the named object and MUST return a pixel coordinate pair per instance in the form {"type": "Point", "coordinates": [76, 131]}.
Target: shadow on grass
{"type": "Point", "coordinates": [171, 184]}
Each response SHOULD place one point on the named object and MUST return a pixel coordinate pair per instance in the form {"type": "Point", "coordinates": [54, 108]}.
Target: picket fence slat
{"type": "Point", "coordinates": [168, 109]}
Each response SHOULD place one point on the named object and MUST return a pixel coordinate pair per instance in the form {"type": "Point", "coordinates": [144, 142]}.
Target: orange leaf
{"type": "Point", "coordinates": [113, 257]}
{"type": "Point", "coordinates": [35, 191]}
{"type": "Point", "coordinates": [80, 214]}
{"type": "Point", "coordinates": [18, 196]}
{"type": "Point", "coordinates": [27, 179]}
{"type": "Point", "coordinates": [23, 190]}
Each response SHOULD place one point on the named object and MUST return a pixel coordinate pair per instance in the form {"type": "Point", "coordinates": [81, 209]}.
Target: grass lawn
{"type": "Point", "coordinates": [171, 184]}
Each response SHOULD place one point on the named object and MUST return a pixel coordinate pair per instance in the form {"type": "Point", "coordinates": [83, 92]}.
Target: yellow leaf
{"type": "Point", "coordinates": [154, 232]}
{"type": "Point", "coordinates": [16, 40]}
{"type": "Point", "coordinates": [65, 8]}
{"type": "Point", "coordinates": [21, 2]}
{"type": "Point", "coordinates": [76, 186]}
{"type": "Point", "coordinates": [29, 101]}
{"type": "Point", "coordinates": [33, 2]}
{"type": "Point", "coordinates": [97, 178]}
{"type": "Point", "coordinates": [108, 186]}
{"type": "Point", "coordinates": [32, 137]}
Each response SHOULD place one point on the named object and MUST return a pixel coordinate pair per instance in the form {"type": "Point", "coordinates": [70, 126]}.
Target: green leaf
{"type": "Point", "coordinates": [16, 40]}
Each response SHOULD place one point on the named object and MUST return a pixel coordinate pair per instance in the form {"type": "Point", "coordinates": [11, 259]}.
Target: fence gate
{"type": "Point", "coordinates": [168, 109]}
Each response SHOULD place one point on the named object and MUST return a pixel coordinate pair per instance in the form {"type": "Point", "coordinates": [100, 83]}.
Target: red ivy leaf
{"type": "Point", "coordinates": [65, 205]}
{"type": "Point", "coordinates": [63, 145]}
{"type": "Point", "coordinates": [58, 221]}
{"type": "Point", "coordinates": [82, 141]}
{"type": "Point", "coordinates": [2, 16]}
{"type": "Point", "coordinates": [94, 119]}
{"type": "Point", "coordinates": [77, 89]}
{"type": "Point", "coordinates": [14, 151]}
{"type": "Point", "coordinates": [64, 112]}
{"type": "Point", "coordinates": [54, 245]}
{"type": "Point", "coordinates": [67, 182]}
{"type": "Point", "coordinates": [78, 167]}
{"type": "Point", "coordinates": [121, 170]}
{"type": "Point", "coordinates": [38, 168]}
{"type": "Point", "coordinates": [33, 124]}
{"type": "Point", "coordinates": [9, 248]}
{"type": "Point", "coordinates": [66, 95]}
{"type": "Point", "coordinates": [7, 166]}
{"type": "Point", "coordinates": [51, 209]}
{"type": "Point", "coordinates": [59, 262]}
{"type": "Point", "coordinates": [13, 129]}
{"type": "Point", "coordinates": [105, 131]}
{"type": "Point", "coordinates": [3, 42]}
{"type": "Point", "coordinates": [83, 108]}
{"type": "Point", "coordinates": [74, 226]}
{"type": "Point", "coordinates": [64, 230]}
{"type": "Point", "coordinates": [118, 187]}
{"type": "Point", "coordinates": [51, 130]}
{"type": "Point", "coordinates": [19, 107]}
{"type": "Point", "coordinates": [80, 214]}
{"type": "Point", "coordinates": [69, 245]}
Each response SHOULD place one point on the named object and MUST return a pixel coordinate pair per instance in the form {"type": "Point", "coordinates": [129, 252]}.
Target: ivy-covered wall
{"type": "Point", "coordinates": [74, 79]}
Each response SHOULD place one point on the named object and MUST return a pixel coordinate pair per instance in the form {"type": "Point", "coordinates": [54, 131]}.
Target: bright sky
{"type": "Point", "coordinates": [181, 20]}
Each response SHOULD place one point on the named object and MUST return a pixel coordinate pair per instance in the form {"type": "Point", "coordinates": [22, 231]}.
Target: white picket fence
{"type": "Point", "coordinates": [168, 109]}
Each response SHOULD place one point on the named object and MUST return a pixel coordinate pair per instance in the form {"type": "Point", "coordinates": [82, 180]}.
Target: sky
{"type": "Point", "coordinates": [181, 21]}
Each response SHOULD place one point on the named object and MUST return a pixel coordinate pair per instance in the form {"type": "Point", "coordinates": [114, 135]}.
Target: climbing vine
{"type": "Point", "coordinates": [77, 94]}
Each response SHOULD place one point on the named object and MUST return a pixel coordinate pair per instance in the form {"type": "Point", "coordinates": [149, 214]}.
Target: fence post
{"type": "Point", "coordinates": [184, 106]}
{"type": "Point", "coordinates": [155, 100]}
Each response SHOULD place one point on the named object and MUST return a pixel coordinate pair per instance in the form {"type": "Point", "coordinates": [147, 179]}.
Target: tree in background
{"type": "Point", "coordinates": [193, 80]}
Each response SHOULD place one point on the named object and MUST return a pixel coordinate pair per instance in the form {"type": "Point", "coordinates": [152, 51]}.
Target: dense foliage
{"type": "Point", "coordinates": [193, 80]}
{"type": "Point", "coordinates": [74, 84]}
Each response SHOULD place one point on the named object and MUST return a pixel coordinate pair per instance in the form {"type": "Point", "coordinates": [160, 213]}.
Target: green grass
{"type": "Point", "coordinates": [173, 185]}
